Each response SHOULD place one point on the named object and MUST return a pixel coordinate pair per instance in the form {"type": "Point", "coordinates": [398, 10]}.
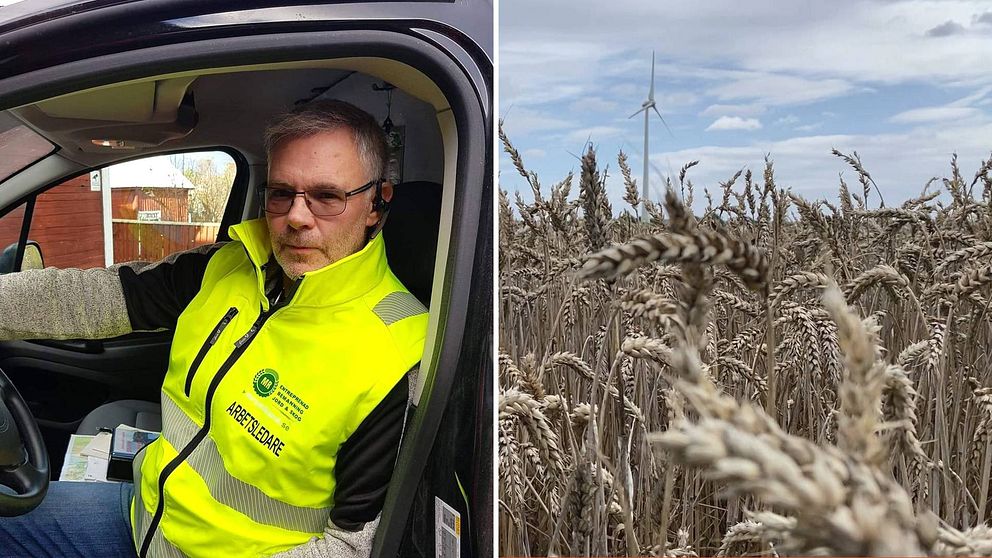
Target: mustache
{"type": "Point", "coordinates": [297, 240]}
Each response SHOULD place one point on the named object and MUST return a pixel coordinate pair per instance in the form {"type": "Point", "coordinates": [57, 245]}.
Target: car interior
{"type": "Point", "coordinates": [215, 109]}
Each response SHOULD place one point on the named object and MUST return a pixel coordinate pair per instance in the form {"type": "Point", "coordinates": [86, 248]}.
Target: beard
{"type": "Point", "coordinates": [326, 250]}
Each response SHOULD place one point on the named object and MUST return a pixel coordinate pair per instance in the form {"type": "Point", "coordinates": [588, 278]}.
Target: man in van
{"type": "Point", "coordinates": [287, 387]}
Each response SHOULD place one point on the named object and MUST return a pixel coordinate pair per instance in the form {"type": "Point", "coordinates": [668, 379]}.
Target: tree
{"type": "Point", "coordinates": [209, 196]}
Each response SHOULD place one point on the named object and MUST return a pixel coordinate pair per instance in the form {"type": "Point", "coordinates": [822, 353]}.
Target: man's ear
{"type": "Point", "coordinates": [387, 191]}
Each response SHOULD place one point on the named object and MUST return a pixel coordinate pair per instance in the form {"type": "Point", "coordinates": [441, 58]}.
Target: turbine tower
{"type": "Point", "coordinates": [647, 105]}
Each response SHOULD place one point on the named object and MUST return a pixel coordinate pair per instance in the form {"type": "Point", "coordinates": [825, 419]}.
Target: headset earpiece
{"type": "Point", "coordinates": [382, 207]}
{"type": "Point", "coordinates": [379, 204]}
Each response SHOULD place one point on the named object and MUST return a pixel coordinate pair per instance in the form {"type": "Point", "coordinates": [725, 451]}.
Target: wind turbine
{"type": "Point", "coordinates": [647, 105]}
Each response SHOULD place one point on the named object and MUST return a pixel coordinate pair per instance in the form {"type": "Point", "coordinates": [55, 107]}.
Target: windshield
{"type": "Point", "coordinates": [19, 146]}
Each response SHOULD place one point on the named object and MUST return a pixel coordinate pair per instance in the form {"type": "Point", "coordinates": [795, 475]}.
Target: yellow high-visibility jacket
{"type": "Point", "coordinates": [262, 393]}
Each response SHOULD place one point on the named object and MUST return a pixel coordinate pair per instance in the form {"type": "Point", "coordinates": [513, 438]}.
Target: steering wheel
{"type": "Point", "coordinates": [23, 462]}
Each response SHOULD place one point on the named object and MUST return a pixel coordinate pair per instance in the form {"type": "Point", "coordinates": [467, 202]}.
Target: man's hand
{"type": "Point", "coordinates": [336, 543]}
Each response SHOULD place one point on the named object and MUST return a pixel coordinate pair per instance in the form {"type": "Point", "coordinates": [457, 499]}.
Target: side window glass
{"type": "Point", "coordinates": [144, 209]}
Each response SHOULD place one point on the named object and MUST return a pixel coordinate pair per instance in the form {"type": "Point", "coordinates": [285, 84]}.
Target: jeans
{"type": "Point", "coordinates": [84, 519]}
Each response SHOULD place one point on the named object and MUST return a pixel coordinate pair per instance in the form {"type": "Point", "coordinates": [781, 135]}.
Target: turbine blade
{"type": "Point", "coordinates": [651, 93]}
{"type": "Point", "coordinates": [663, 122]}
{"type": "Point", "coordinates": [638, 112]}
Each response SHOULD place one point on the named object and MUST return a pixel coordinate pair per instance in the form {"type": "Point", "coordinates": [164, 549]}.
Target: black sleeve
{"type": "Point", "coordinates": [366, 459]}
{"type": "Point", "coordinates": [156, 294]}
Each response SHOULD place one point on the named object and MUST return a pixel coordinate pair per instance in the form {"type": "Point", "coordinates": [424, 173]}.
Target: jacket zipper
{"type": "Point", "coordinates": [240, 346]}
{"type": "Point", "coordinates": [210, 342]}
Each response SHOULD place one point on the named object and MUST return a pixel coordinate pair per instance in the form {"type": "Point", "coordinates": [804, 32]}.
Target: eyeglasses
{"type": "Point", "coordinates": [322, 202]}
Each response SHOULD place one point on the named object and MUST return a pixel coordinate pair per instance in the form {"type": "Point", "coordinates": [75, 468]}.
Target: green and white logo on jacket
{"type": "Point", "coordinates": [266, 381]}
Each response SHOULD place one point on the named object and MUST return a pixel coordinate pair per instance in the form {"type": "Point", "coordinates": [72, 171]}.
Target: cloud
{"type": "Point", "coordinates": [527, 79]}
{"type": "Point", "coordinates": [734, 123]}
{"type": "Point", "coordinates": [593, 104]}
{"type": "Point", "coordinates": [594, 134]}
{"type": "Point", "coordinates": [733, 110]}
{"type": "Point", "coordinates": [535, 153]}
{"type": "Point", "coordinates": [627, 90]}
{"type": "Point", "coordinates": [808, 127]}
{"type": "Point", "coordinates": [934, 114]}
{"type": "Point", "coordinates": [955, 110]}
{"type": "Point", "coordinates": [984, 18]}
{"type": "Point", "coordinates": [676, 99]}
{"type": "Point", "coordinates": [780, 89]}
{"type": "Point", "coordinates": [853, 40]}
{"type": "Point", "coordinates": [975, 97]}
{"type": "Point", "coordinates": [899, 163]}
{"type": "Point", "coordinates": [787, 120]}
{"type": "Point", "coordinates": [946, 29]}
{"type": "Point", "coordinates": [522, 121]}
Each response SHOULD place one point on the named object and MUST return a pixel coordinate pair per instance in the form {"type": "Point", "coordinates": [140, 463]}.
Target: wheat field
{"type": "Point", "coordinates": [771, 375]}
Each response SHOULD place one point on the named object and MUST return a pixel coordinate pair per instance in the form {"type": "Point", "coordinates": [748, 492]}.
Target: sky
{"type": "Point", "coordinates": [905, 83]}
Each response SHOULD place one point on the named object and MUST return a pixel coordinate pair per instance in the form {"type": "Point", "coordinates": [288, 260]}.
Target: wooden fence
{"type": "Point", "coordinates": [153, 240]}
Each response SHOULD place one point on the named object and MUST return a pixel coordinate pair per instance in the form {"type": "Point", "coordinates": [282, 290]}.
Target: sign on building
{"type": "Point", "coordinates": [155, 215]}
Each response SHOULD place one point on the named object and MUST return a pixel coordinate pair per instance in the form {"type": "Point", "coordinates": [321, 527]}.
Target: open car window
{"type": "Point", "coordinates": [157, 206]}
{"type": "Point", "coordinates": [19, 146]}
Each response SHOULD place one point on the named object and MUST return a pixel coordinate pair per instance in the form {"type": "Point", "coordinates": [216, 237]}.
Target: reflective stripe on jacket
{"type": "Point", "coordinates": [284, 386]}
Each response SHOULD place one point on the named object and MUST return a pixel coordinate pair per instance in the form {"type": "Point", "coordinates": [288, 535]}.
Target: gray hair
{"type": "Point", "coordinates": [327, 115]}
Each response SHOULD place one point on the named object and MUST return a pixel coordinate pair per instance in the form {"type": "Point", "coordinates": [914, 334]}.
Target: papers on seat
{"type": "Point", "coordinates": [128, 441]}
{"type": "Point", "coordinates": [86, 458]}
{"type": "Point", "coordinates": [96, 469]}
{"type": "Point", "coordinates": [99, 446]}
